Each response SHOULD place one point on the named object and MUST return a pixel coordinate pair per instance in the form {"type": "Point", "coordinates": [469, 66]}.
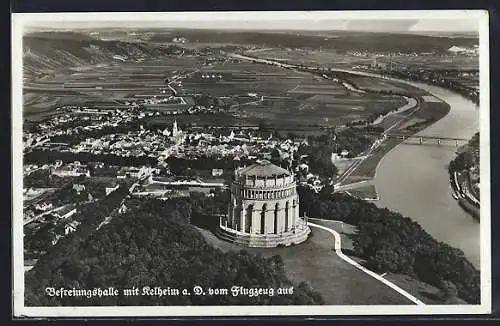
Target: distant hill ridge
{"type": "Point", "coordinates": [44, 52]}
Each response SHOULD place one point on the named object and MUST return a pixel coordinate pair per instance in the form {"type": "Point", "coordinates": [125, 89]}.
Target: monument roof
{"type": "Point", "coordinates": [263, 168]}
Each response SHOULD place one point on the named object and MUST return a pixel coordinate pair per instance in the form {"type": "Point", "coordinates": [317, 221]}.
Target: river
{"type": "Point", "coordinates": [413, 179]}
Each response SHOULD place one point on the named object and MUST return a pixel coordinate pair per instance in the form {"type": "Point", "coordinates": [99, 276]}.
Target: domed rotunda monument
{"type": "Point", "coordinates": [263, 208]}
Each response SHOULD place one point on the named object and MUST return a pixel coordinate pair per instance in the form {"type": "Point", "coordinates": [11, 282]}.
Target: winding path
{"type": "Point", "coordinates": [338, 251]}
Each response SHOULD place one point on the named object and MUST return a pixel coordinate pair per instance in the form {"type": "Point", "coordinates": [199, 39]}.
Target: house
{"type": "Point", "coordinates": [71, 227]}
{"type": "Point", "coordinates": [56, 239]}
{"type": "Point", "coordinates": [78, 188]}
{"type": "Point", "coordinates": [303, 167]}
{"type": "Point", "coordinates": [66, 212]}
{"type": "Point", "coordinates": [122, 209]}
{"type": "Point", "coordinates": [134, 172]}
{"type": "Point", "coordinates": [43, 206]}
{"type": "Point", "coordinates": [72, 169]}
{"type": "Point", "coordinates": [109, 190]}
{"type": "Point", "coordinates": [217, 172]}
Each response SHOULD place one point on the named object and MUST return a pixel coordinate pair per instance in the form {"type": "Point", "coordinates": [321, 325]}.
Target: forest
{"type": "Point", "coordinates": [390, 242]}
{"type": "Point", "coordinates": [153, 244]}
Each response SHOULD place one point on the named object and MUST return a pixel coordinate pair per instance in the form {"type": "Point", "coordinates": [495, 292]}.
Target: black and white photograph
{"type": "Point", "coordinates": [251, 163]}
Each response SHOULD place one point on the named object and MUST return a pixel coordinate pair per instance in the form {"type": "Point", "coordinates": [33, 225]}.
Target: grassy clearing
{"type": "Point", "coordinates": [316, 263]}
{"type": "Point", "coordinates": [425, 292]}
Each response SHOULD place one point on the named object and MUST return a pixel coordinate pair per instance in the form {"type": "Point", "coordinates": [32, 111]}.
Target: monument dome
{"type": "Point", "coordinates": [263, 208]}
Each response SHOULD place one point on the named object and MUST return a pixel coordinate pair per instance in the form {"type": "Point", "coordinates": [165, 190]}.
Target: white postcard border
{"type": "Point", "coordinates": [19, 23]}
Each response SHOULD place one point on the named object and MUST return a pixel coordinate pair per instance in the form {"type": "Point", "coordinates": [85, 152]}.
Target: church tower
{"type": "Point", "coordinates": [175, 130]}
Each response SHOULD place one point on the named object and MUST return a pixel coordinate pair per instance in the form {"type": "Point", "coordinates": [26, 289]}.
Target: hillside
{"type": "Point", "coordinates": [45, 52]}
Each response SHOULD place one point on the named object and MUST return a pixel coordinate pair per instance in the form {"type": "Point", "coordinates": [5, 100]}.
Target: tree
{"type": "Point", "coordinates": [449, 289]}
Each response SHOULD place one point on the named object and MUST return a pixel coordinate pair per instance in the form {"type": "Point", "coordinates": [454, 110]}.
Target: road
{"type": "Point", "coordinates": [39, 216]}
{"type": "Point", "coordinates": [338, 251]}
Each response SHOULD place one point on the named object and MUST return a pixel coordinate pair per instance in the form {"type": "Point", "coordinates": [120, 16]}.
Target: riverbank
{"type": "Point", "coordinates": [462, 196]}
{"type": "Point", "coordinates": [464, 177]}
{"type": "Point", "coordinates": [409, 121]}
{"type": "Point", "coordinates": [427, 195]}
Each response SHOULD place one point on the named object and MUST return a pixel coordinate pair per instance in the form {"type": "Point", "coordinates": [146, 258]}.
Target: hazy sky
{"type": "Point", "coordinates": [438, 21]}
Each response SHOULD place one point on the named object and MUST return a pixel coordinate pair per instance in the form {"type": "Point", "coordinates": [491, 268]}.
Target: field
{"type": "Point", "coordinates": [104, 84]}
{"type": "Point", "coordinates": [377, 85]}
{"type": "Point", "coordinates": [282, 97]}
{"type": "Point", "coordinates": [77, 70]}
{"type": "Point", "coordinates": [256, 93]}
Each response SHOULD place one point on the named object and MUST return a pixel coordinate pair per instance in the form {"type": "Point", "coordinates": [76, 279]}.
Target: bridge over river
{"type": "Point", "coordinates": [428, 140]}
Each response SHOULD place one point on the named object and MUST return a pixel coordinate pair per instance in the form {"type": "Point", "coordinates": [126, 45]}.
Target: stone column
{"type": "Point", "coordinates": [276, 223]}
{"type": "Point", "coordinates": [263, 219]}
{"type": "Point", "coordinates": [255, 220]}
{"type": "Point", "coordinates": [230, 212]}
{"type": "Point", "coordinates": [297, 211]}
{"type": "Point", "coordinates": [269, 221]}
{"type": "Point", "coordinates": [248, 220]}
{"type": "Point", "coordinates": [242, 219]}
{"type": "Point", "coordinates": [235, 218]}
{"type": "Point", "coordinates": [281, 219]}
{"type": "Point", "coordinates": [286, 216]}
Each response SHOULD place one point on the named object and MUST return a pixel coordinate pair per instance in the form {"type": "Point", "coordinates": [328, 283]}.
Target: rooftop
{"type": "Point", "coordinates": [263, 168]}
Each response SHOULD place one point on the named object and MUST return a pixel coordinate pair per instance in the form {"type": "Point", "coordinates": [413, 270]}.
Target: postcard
{"type": "Point", "coordinates": [251, 163]}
